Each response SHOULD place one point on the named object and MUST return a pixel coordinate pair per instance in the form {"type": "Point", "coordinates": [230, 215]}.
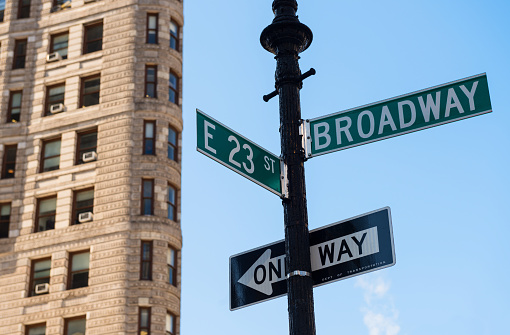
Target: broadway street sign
{"type": "Point", "coordinates": [338, 251]}
{"type": "Point", "coordinates": [397, 116]}
{"type": "Point", "coordinates": [236, 152]}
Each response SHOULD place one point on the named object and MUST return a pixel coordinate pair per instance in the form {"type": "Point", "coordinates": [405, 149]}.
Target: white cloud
{"type": "Point", "coordinates": [380, 315]}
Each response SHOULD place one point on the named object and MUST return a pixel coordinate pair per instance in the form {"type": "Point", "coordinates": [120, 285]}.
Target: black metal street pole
{"type": "Point", "coordinates": [286, 37]}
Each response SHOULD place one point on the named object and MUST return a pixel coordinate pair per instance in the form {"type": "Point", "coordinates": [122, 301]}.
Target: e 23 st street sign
{"type": "Point", "coordinates": [234, 151]}
{"type": "Point", "coordinates": [397, 116]}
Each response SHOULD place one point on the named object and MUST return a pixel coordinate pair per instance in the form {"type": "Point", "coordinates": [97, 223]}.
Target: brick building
{"type": "Point", "coordinates": [90, 164]}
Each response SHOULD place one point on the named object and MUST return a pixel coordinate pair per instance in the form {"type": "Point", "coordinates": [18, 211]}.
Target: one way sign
{"type": "Point", "coordinates": [338, 251]}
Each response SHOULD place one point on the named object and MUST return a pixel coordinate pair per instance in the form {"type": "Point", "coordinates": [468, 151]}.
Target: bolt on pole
{"type": "Point", "coordinates": [286, 37]}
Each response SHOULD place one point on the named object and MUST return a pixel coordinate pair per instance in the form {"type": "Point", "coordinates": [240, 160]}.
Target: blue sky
{"type": "Point", "coordinates": [447, 186]}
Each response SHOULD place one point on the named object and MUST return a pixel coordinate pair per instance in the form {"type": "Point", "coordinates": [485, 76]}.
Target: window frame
{"type": "Point", "coordinates": [38, 215]}
{"type": "Point", "coordinates": [148, 261]}
{"type": "Point", "coordinates": [67, 320]}
{"type": "Point", "coordinates": [47, 104]}
{"type": "Point", "coordinates": [79, 150]}
{"type": "Point", "coordinates": [70, 271]}
{"type": "Point", "coordinates": [31, 287]}
{"type": "Point", "coordinates": [6, 163]}
{"type": "Point", "coordinates": [2, 11]}
{"type": "Point", "coordinates": [52, 43]}
{"type": "Point", "coordinates": [170, 204]}
{"type": "Point", "coordinates": [6, 222]}
{"type": "Point", "coordinates": [141, 327]}
{"type": "Point", "coordinates": [174, 36]}
{"type": "Point", "coordinates": [174, 146]}
{"type": "Point", "coordinates": [154, 82]}
{"type": "Point", "coordinates": [154, 30]}
{"type": "Point", "coordinates": [151, 197]}
{"type": "Point", "coordinates": [19, 55]}
{"type": "Point", "coordinates": [175, 89]}
{"type": "Point", "coordinates": [86, 31]}
{"type": "Point", "coordinates": [43, 151]}
{"type": "Point", "coordinates": [11, 107]}
{"type": "Point", "coordinates": [22, 9]}
{"type": "Point", "coordinates": [173, 280]}
{"type": "Point", "coordinates": [37, 325]}
{"type": "Point", "coordinates": [146, 139]}
{"type": "Point", "coordinates": [78, 210]}
{"type": "Point", "coordinates": [173, 325]}
{"type": "Point", "coordinates": [82, 90]}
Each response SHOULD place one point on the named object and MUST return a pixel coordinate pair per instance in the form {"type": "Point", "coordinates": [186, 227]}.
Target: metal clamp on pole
{"type": "Point", "coordinates": [298, 273]}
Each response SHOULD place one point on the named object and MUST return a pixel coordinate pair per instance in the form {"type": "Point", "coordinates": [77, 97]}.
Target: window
{"type": "Point", "coordinates": [2, 10]}
{"type": "Point", "coordinates": [93, 38]}
{"type": "Point", "coordinates": [9, 161]}
{"type": "Point", "coordinates": [90, 91]}
{"type": "Point", "coordinates": [147, 196]}
{"type": "Point", "coordinates": [83, 203]}
{"type": "Point", "coordinates": [152, 28]}
{"type": "Point", "coordinates": [170, 324]}
{"type": "Point", "coordinates": [173, 88]}
{"type": "Point", "coordinates": [75, 326]}
{"type": "Point", "coordinates": [149, 137]}
{"type": "Point", "coordinates": [50, 155]}
{"type": "Point", "coordinates": [39, 329]}
{"type": "Point", "coordinates": [174, 35]}
{"type": "Point", "coordinates": [171, 260]}
{"type": "Point", "coordinates": [46, 209]}
{"type": "Point", "coordinates": [59, 43]}
{"type": "Point", "coordinates": [5, 217]}
{"type": "Point", "coordinates": [172, 203]}
{"type": "Point", "coordinates": [151, 80]}
{"type": "Point", "coordinates": [172, 144]}
{"type": "Point", "coordinates": [144, 321]}
{"type": "Point", "coordinates": [60, 5]}
{"type": "Point", "coordinates": [87, 143]}
{"type": "Point", "coordinates": [146, 261]}
{"type": "Point", "coordinates": [54, 96]}
{"type": "Point", "coordinates": [20, 53]}
{"type": "Point", "coordinates": [23, 9]}
{"type": "Point", "coordinates": [40, 275]}
{"type": "Point", "coordinates": [78, 270]}
{"type": "Point", "coordinates": [14, 111]}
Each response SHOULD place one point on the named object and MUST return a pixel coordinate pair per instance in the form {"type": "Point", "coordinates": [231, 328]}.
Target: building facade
{"type": "Point", "coordinates": [90, 166]}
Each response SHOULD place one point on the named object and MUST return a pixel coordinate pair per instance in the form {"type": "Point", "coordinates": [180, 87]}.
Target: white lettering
{"type": "Point", "coordinates": [470, 95]}
{"type": "Point", "coordinates": [386, 119]}
{"type": "Point", "coordinates": [431, 106]}
{"type": "Point", "coordinates": [319, 135]}
{"type": "Point", "coordinates": [412, 109]}
{"type": "Point", "coordinates": [452, 101]}
{"type": "Point", "coordinates": [266, 164]}
{"type": "Point", "coordinates": [360, 123]}
{"type": "Point", "coordinates": [345, 129]}
{"type": "Point", "coordinates": [208, 135]}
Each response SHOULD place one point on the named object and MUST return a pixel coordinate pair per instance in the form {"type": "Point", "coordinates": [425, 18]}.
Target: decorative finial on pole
{"type": "Point", "coordinates": [286, 31]}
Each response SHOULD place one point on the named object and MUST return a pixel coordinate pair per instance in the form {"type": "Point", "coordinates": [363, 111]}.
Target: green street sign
{"type": "Point", "coordinates": [236, 152]}
{"type": "Point", "coordinates": [397, 116]}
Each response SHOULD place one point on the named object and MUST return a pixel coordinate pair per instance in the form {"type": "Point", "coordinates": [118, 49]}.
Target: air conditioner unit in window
{"type": "Point", "coordinates": [89, 156]}
{"type": "Point", "coordinates": [57, 108]}
{"type": "Point", "coordinates": [53, 57]}
{"type": "Point", "coordinates": [42, 288]}
{"type": "Point", "coordinates": [85, 217]}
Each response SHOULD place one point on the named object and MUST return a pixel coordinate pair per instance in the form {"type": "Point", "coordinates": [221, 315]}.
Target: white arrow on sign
{"type": "Point", "coordinates": [266, 270]}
